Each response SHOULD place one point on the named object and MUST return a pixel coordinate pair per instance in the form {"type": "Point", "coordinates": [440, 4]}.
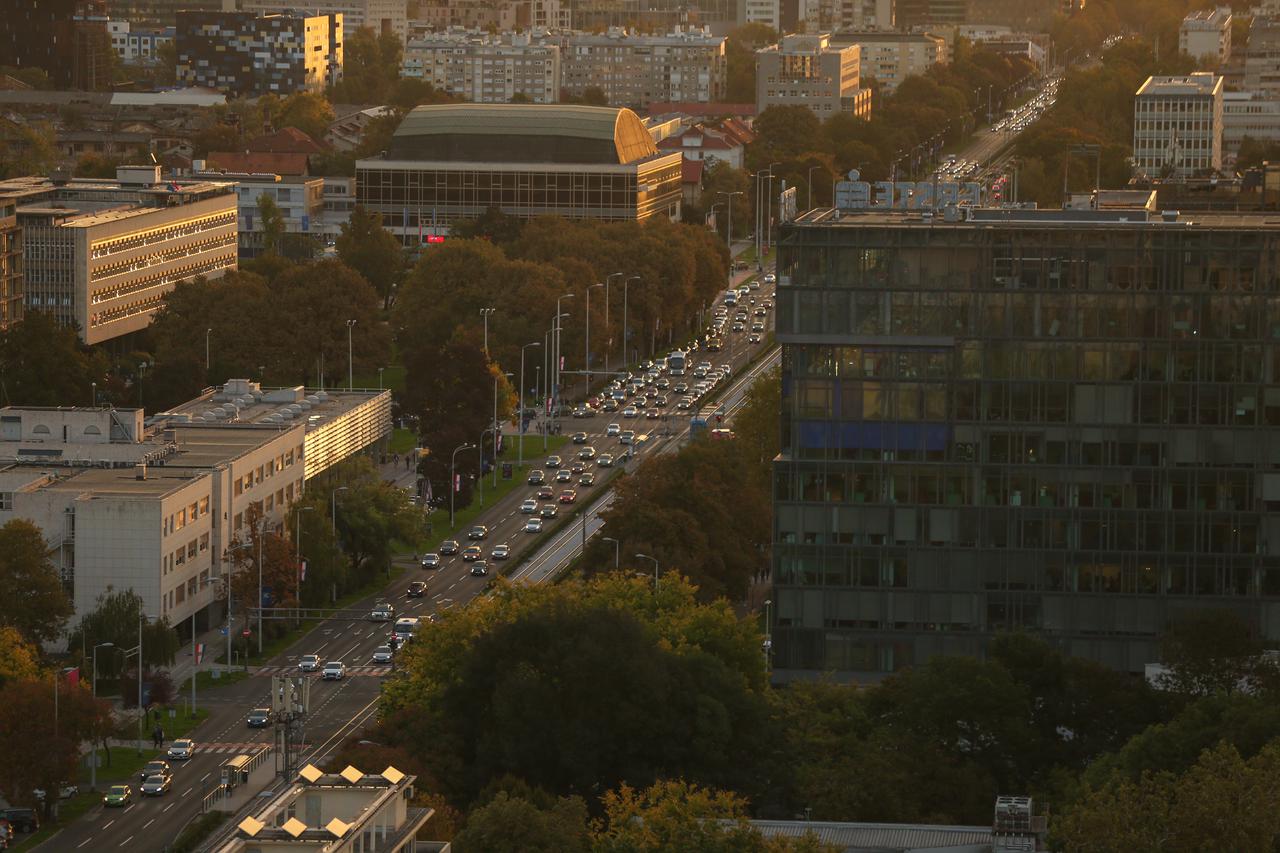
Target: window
{"type": "Point", "coordinates": [6, 501]}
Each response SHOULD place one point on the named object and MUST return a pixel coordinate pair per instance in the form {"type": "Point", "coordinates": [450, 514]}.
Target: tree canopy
{"type": "Point", "coordinates": [115, 619]}
{"type": "Point", "coordinates": [35, 602]}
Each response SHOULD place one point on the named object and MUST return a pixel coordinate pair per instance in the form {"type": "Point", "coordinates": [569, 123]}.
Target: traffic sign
{"type": "Point", "coordinates": [245, 633]}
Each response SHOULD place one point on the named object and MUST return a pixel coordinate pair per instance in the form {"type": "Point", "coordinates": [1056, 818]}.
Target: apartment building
{"type": "Point", "coordinates": [1248, 115]}
{"type": "Point", "coordinates": [161, 13]}
{"type": "Point", "coordinates": [820, 16]}
{"type": "Point", "coordinates": [154, 506]}
{"type": "Point", "coordinates": [1205, 35]}
{"type": "Point", "coordinates": [913, 14]}
{"type": "Point", "coordinates": [137, 43]}
{"type": "Point", "coordinates": [245, 54]}
{"type": "Point", "coordinates": [806, 71]}
{"type": "Point", "coordinates": [1058, 421]}
{"type": "Point", "coordinates": [1262, 56]}
{"type": "Point", "coordinates": [487, 69]}
{"type": "Point", "coordinates": [633, 69]}
{"type": "Point", "coordinates": [67, 39]}
{"type": "Point", "coordinates": [1177, 127]}
{"type": "Point", "coordinates": [11, 264]}
{"type": "Point", "coordinates": [890, 58]}
{"type": "Point", "coordinates": [299, 199]}
{"type": "Point", "coordinates": [767, 12]}
{"type": "Point", "coordinates": [102, 254]}
{"type": "Point", "coordinates": [381, 16]}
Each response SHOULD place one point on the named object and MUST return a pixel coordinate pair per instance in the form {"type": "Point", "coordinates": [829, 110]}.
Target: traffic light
{"type": "Point", "coordinates": [719, 418]}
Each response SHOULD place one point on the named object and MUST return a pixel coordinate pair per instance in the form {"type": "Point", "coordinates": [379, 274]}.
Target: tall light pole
{"type": "Point", "coordinates": [496, 430]}
{"type": "Point", "coordinates": [626, 285]}
{"type": "Point", "coordinates": [484, 315]}
{"type": "Point", "coordinates": [297, 546]}
{"type": "Point", "coordinates": [617, 550]}
{"type": "Point", "coordinates": [768, 209]}
{"type": "Point", "coordinates": [261, 535]}
{"type": "Point", "coordinates": [207, 333]}
{"type": "Point", "coordinates": [654, 560]}
{"type": "Point", "coordinates": [586, 361]}
{"type": "Point", "coordinates": [350, 365]}
{"type": "Point", "coordinates": [608, 350]}
{"type": "Point", "coordinates": [380, 369]}
{"type": "Point", "coordinates": [93, 766]}
{"type": "Point", "coordinates": [453, 477]}
{"type": "Point", "coordinates": [808, 179]}
{"type": "Point", "coordinates": [555, 368]}
{"type": "Point", "coordinates": [520, 406]}
{"type": "Point", "coordinates": [768, 634]}
{"type": "Point", "coordinates": [728, 232]}
{"type": "Point", "coordinates": [142, 618]}
{"type": "Point", "coordinates": [480, 452]}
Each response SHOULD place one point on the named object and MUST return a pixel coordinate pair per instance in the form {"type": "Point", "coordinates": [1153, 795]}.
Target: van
{"type": "Point", "coordinates": [406, 627]}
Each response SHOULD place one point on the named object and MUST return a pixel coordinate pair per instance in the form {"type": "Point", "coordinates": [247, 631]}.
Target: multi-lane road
{"type": "Point", "coordinates": [340, 708]}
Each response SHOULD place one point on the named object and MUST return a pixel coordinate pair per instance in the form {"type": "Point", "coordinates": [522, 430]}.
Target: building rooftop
{"type": "Point", "coordinates": [523, 133]}
{"type": "Point", "coordinates": [868, 37]}
{"type": "Point", "coordinates": [242, 402]}
{"type": "Point", "coordinates": [883, 837]}
{"type": "Point", "coordinates": [1197, 83]}
{"type": "Point", "coordinates": [1114, 215]}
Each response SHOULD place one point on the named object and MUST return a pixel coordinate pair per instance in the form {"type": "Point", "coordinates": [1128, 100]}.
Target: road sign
{"type": "Point", "coordinates": [245, 633]}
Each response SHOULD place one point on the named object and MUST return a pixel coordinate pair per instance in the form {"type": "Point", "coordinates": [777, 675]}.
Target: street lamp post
{"type": "Point", "coordinates": [608, 350]}
{"type": "Point", "coordinates": [380, 369]}
{"type": "Point", "coordinates": [351, 383]}
{"type": "Point", "coordinates": [261, 535]}
{"type": "Point", "coordinates": [809, 180]}
{"type": "Point", "coordinates": [555, 368]}
{"type": "Point", "coordinates": [496, 435]}
{"type": "Point", "coordinates": [333, 526]}
{"type": "Point", "coordinates": [728, 233]}
{"type": "Point", "coordinates": [654, 560]}
{"type": "Point", "coordinates": [617, 550]}
{"type": "Point", "coordinates": [520, 405]}
{"type": "Point", "coordinates": [93, 765]}
{"type": "Point", "coordinates": [586, 361]}
{"type": "Point", "coordinates": [207, 333]}
{"type": "Point", "coordinates": [297, 546]}
{"type": "Point", "coordinates": [453, 476]}
{"type": "Point", "coordinates": [484, 315]}
{"type": "Point", "coordinates": [625, 330]}
{"type": "Point", "coordinates": [768, 634]}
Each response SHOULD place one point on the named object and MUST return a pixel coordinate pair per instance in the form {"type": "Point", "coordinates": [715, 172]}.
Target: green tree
{"type": "Point", "coordinates": [1254, 152]}
{"type": "Point", "coordinates": [35, 602]}
{"type": "Point", "coordinates": [215, 137]}
{"type": "Point", "coordinates": [165, 72]}
{"type": "Point", "coordinates": [1211, 651]}
{"type": "Point", "coordinates": [740, 49]}
{"type": "Point", "coordinates": [308, 112]}
{"type": "Point", "coordinates": [371, 250]}
{"type": "Point", "coordinates": [43, 363]}
{"type": "Point", "coordinates": [27, 149]}
{"type": "Point", "coordinates": [526, 682]}
{"type": "Point", "coordinates": [371, 67]}
{"type": "Point", "coordinates": [19, 658]}
{"type": "Point", "coordinates": [43, 748]}
{"type": "Point", "coordinates": [513, 823]}
{"type": "Point", "coordinates": [273, 224]}
{"type": "Point", "coordinates": [115, 618]}
{"type": "Point", "coordinates": [756, 425]}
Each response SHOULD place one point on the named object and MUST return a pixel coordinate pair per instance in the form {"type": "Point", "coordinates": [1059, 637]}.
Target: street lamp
{"type": "Point", "coordinates": [728, 233]}
{"type": "Point", "coordinates": [608, 350]}
{"type": "Point", "coordinates": [333, 509]}
{"type": "Point", "coordinates": [262, 532]}
{"type": "Point", "coordinates": [351, 383]}
{"type": "Point", "coordinates": [520, 406]}
{"type": "Point", "coordinates": [555, 367]}
{"type": "Point", "coordinates": [496, 431]}
{"type": "Point", "coordinates": [207, 333]}
{"type": "Point", "coordinates": [809, 180]}
{"type": "Point", "coordinates": [484, 315]}
{"type": "Point", "coordinates": [380, 369]}
{"type": "Point", "coordinates": [297, 544]}
{"type": "Point", "coordinates": [768, 635]}
{"type": "Point", "coordinates": [617, 550]}
{"type": "Point", "coordinates": [625, 330]}
{"type": "Point", "coordinates": [655, 569]}
{"type": "Point", "coordinates": [586, 362]}
{"type": "Point", "coordinates": [93, 765]}
{"type": "Point", "coordinates": [453, 477]}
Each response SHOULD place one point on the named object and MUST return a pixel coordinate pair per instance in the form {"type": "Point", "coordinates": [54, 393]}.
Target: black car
{"type": "Point", "coordinates": [154, 768]}
{"type": "Point", "coordinates": [537, 478]}
{"type": "Point", "coordinates": [22, 820]}
{"type": "Point", "coordinates": [478, 532]}
{"type": "Point", "coordinates": [417, 589]}
{"type": "Point", "coordinates": [259, 718]}
{"type": "Point", "coordinates": [449, 547]}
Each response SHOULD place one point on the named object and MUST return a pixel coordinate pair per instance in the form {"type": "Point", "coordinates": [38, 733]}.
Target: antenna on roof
{"type": "Point", "coordinates": [153, 158]}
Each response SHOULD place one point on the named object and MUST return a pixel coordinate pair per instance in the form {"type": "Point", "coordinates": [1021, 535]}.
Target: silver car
{"type": "Point", "coordinates": [382, 654]}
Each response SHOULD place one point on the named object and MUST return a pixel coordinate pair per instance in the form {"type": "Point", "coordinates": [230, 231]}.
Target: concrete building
{"type": "Point", "coordinates": [300, 200]}
{"type": "Point", "coordinates": [137, 43]}
{"type": "Point", "coordinates": [825, 16]}
{"type": "Point", "coordinates": [244, 54]}
{"type": "Point", "coordinates": [806, 71]}
{"type": "Point", "coordinates": [1177, 126]}
{"type": "Point", "coordinates": [767, 12]}
{"type": "Point", "coordinates": [381, 16]}
{"type": "Point", "coordinates": [154, 506]}
{"type": "Point", "coordinates": [102, 254]}
{"type": "Point", "coordinates": [1056, 421]}
{"type": "Point", "coordinates": [11, 265]}
{"type": "Point", "coordinates": [454, 161]}
{"type": "Point", "coordinates": [1248, 114]}
{"type": "Point", "coordinates": [67, 39]}
{"type": "Point", "coordinates": [1205, 35]}
{"type": "Point", "coordinates": [347, 812]}
{"type": "Point", "coordinates": [487, 69]}
{"type": "Point", "coordinates": [162, 13]}
{"type": "Point", "coordinates": [632, 70]}
{"type": "Point", "coordinates": [1262, 56]}
{"type": "Point", "coordinates": [914, 14]}
{"type": "Point", "coordinates": [890, 58]}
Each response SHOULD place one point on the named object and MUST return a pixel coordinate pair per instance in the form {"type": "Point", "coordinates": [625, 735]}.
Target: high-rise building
{"type": "Point", "coordinates": [245, 54]}
{"type": "Point", "coordinates": [487, 69]}
{"type": "Point", "coordinates": [1262, 55]}
{"type": "Point", "coordinates": [162, 13]}
{"type": "Point", "coordinates": [632, 70]}
{"type": "Point", "coordinates": [11, 293]}
{"type": "Point", "coordinates": [767, 12]}
{"type": "Point", "coordinates": [381, 16]}
{"type": "Point", "coordinates": [67, 39]}
{"type": "Point", "coordinates": [1205, 35]}
{"type": "Point", "coordinates": [102, 254]}
{"type": "Point", "coordinates": [890, 58]}
{"type": "Point", "coordinates": [1252, 115]}
{"type": "Point", "coordinates": [1177, 126]}
{"type": "Point", "coordinates": [846, 15]}
{"type": "Point", "coordinates": [929, 13]}
{"type": "Point", "coordinates": [806, 71]}
{"type": "Point", "coordinates": [1059, 421]}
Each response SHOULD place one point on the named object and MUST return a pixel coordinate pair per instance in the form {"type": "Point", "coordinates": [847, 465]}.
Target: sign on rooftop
{"type": "Point", "coordinates": [855, 194]}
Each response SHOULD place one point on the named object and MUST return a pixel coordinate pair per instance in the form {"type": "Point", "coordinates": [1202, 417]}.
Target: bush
{"type": "Point", "coordinates": [197, 831]}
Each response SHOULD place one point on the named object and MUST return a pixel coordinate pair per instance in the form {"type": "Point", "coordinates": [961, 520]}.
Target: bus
{"type": "Point", "coordinates": [676, 363]}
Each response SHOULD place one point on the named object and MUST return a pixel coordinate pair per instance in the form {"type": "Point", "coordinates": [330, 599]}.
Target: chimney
{"type": "Point", "coordinates": [140, 471]}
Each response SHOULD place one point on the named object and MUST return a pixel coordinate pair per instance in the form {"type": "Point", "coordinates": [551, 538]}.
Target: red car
{"type": "Point", "coordinates": [568, 496]}
{"type": "Point", "coordinates": [545, 493]}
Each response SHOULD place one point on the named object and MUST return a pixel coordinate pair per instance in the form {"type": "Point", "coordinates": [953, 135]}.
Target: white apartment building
{"type": "Point", "coordinates": [102, 254]}
{"type": "Point", "coordinates": [1248, 114]}
{"type": "Point", "coordinates": [1177, 127]}
{"type": "Point", "coordinates": [1205, 35]}
{"type": "Point", "coordinates": [1262, 56]}
{"type": "Point", "coordinates": [300, 200]}
{"type": "Point", "coordinates": [134, 43]}
{"type": "Point", "coordinates": [846, 15]}
{"type": "Point", "coordinates": [806, 71]}
{"type": "Point", "coordinates": [767, 12]}
{"type": "Point", "coordinates": [156, 506]}
{"type": "Point", "coordinates": [633, 70]}
{"type": "Point", "coordinates": [378, 15]}
{"type": "Point", "coordinates": [487, 69]}
{"type": "Point", "coordinates": [890, 58]}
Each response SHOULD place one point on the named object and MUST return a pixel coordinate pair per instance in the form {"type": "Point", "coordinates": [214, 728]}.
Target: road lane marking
{"type": "Point", "coordinates": [166, 808]}
{"type": "Point", "coordinates": [206, 776]}
{"type": "Point", "coordinates": [126, 841]}
{"type": "Point", "coordinates": [83, 843]}
{"type": "Point", "coordinates": [107, 825]}
{"type": "Point", "coordinates": [188, 791]}
{"type": "Point", "coordinates": [148, 823]}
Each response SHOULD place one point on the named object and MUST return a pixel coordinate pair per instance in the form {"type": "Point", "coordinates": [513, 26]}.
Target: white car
{"type": "Point", "coordinates": [630, 412]}
{"type": "Point", "coordinates": [309, 663]}
{"type": "Point", "coordinates": [613, 430]}
{"type": "Point", "coordinates": [533, 525]}
{"type": "Point", "coordinates": [181, 750]}
{"type": "Point", "coordinates": [529, 507]}
{"type": "Point", "coordinates": [334, 670]}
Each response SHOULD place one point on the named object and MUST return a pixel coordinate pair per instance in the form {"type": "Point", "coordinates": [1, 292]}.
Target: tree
{"type": "Point", "coordinates": [165, 72]}
{"type": "Point", "coordinates": [756, 425]}
{"type": "Point", "coordinates": [42, 749]}
{"type": "Point", "coordinates": [527, 682]}
{"type": "Point", "coordinates": [308, 112]}
{"type": "Point", "coordinates": [1254, 152]}
{"type": "Point", "coordinates": [43, 363]}
{"type": "Point", "coordinates": [740, 47]}
{"type": "Point", "coordinates": [35, 602]}
{"type": "Point", "coordinates": [273, 225]}
{"type": "Point", "coordinates": [371, 250]}
{"type": "Point", "coordinates": [216, 137]}
{"type": "Point", "coordinates": [19, 659]}
{"type": "Point", "coordinates": [1211, 651]}
{"type": "Point", "coordinates": [27, 149]}
{"type": "Point", "coordinates": [514, 823]}
{"type": "Point", "coordinates": [371, 66]}
{"type": "Point", "coordinates": [115, 619]}
{"type": "Point", "coordinates": [279, 568]}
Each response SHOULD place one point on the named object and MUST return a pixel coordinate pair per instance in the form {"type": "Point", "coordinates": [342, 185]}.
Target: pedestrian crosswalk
{"type": "Point", "coordinates": [373, 671]}
{"type": "Point", "coordinates": [228, 748]}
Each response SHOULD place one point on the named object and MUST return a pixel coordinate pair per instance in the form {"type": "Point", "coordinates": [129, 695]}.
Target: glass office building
{"type": "Point", "coordinates": [1058, 421]}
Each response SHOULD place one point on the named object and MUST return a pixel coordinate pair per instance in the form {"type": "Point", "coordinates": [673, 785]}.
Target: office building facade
{"type": "Point", "coordinates": [245, 54]}
{"type": "Point", "coordinates": [890, 58]}
{"type": "Point", "coordinates": [381, 16]}
{"type": "Point", "coordinates": [487, 69]}
{"type": "Point", "coordinates": [806, 71]}
{"type": "Point", "coordinates": [1248, 115]}
{"type": "Point", "coordinates": [1205, 35]}
{"type": "Point", "coordinates": [846, 15]}
{"type": "Point", "coordinates": [633, 70]}
{"type": "Point", "coordinates": [454, 161]}
{"type": "Point", "coordinates": [11, 264]}
{"type": "Point", "coordinates": [1177, 126]}
{"type": "Point", "coordinates": [928, 13]}
{"type": "Point", "coordinates": [101, 254]}
{"type": "Point", "coordinates": [1063, 422]}
{"type": "Point", "coordinates": [67, 39]}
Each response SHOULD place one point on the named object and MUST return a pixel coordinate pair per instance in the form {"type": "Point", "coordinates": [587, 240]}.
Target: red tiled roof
{"type": "Point", "coordinates": [288, 140]}
{"type": "Point", "coordinates": [692, 108]}
{"type": "Point", "coordinates": [258, 163]}
{"type": "Point", "coordinates": [690, 171]}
